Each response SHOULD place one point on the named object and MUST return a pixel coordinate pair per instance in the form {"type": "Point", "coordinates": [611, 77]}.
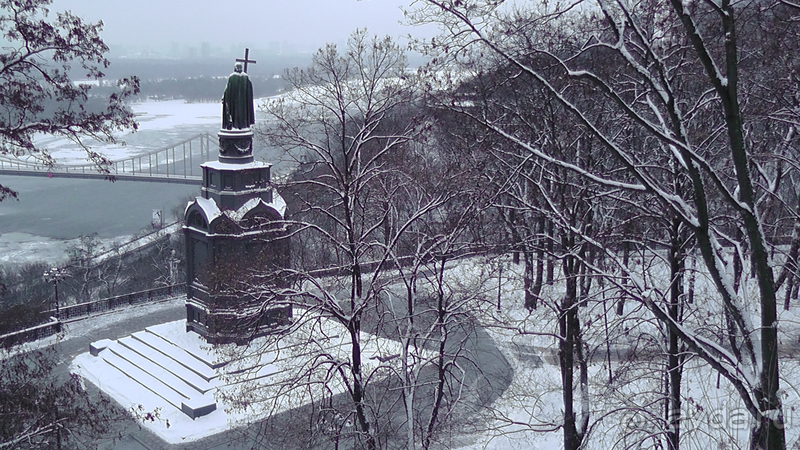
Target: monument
{"type": "Point", "coordinates": [236, 246]}
{"type": "Point", "coordinates": [236, 241]}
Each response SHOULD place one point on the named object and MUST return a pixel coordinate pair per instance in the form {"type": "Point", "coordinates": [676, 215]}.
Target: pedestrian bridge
{"type": "Point", "coordinates": [178, 163]}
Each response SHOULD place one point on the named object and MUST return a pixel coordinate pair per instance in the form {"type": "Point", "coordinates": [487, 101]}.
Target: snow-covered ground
{"type": "Point", "coordinates": [161, 123]}
{"type": "Point", "coordinates": [528, 413]}
{"type": "Point", "coordinates": [21, 248]}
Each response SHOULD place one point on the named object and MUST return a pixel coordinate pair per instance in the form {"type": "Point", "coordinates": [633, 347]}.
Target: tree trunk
{"type": "Point", "coordinates": [357, 393]}
{"type": "Point", "coordinates": [550, 242]}
{"type": "Point", "coordinates": [409, 374]}
{"type": "Point", "coordinates": [768, 433]}
{"type": "Point", "coordinates": [540, 262]}
{"type": "Point", "coordinates": [789, 271]}
{"type": "Point", "coordinates": [516, 241]}
{"type": "Point", "coordinates": [692, 277]}
{"type": "Point", "coordinates": [357, 280]}
{"type": "Point", "coordinates": [441, 309]}
{"type": "Point", "coordinates": [626, 255]}
{"type": "Point", "coordinates": [585, 278]}
{"type": "Point", "coordinates": [531, 289]}
{"type": "Point", "coordinates": [674, 360]}
{"type": "Point", "coordinates": [568, 323]}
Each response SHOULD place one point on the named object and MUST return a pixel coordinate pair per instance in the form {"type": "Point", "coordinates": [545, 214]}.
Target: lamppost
{"type": "Point", "coordinates": [173, 268]}
{"type": "Point", "coordinates": [55, 275]}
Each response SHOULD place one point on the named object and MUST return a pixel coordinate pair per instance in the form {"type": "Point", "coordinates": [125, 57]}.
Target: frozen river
{"type": "Point", "coordinates": [63, 208]}
{"type": "Point", "coordinates": [50, 212]}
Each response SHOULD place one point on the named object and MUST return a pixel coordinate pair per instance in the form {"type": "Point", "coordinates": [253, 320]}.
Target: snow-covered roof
{"type": "Point", "coordinates": [244, 209]}
{"type": "Point", "coordinates": [278, 203]}
{"type": "Point", "coordinates": [210, 211]}
{"type": "Point", "coordinates": [209, 207]}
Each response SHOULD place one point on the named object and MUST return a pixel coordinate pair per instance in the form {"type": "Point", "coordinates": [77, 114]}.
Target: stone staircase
{"type": "Point", "coordinates": [185, 376]}
{"type": "Point", "coordinates": [195, 387]}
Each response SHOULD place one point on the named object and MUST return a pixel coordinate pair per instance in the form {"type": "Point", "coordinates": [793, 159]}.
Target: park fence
{"type": "Point", "coordinates": [108, 304]}
{"type": "Point", "coordinates": [30, 334]}
{"type": "Point", "coordinates": [72, 312]}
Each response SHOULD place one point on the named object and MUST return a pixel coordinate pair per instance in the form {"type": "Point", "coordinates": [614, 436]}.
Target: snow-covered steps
{"type": "Point", "coordinates": [141, 376]}
{"type": "Point", "coordinates": [161, 367]}
{"type": "Point", "coordinates": [177, 354]}
{"type": "Point", "coordinates": [186, 410]}
{"type": "Point", "coordinates": [188, 376]}
{"type": "Point", "coordinates": [190, 342]}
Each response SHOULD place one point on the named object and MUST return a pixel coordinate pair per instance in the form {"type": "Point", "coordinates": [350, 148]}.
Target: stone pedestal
{"type": "Point", "coordinates": [236, 245]}
{"type": "Point", "coordinates": [235, 145]}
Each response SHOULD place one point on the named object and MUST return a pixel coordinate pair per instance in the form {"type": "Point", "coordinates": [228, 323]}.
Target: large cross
{"type": "Point", "coordinates": [246, 59]}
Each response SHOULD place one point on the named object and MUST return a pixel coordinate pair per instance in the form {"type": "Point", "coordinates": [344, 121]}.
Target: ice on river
{"type": "Point", "coordinates": [161, 124]}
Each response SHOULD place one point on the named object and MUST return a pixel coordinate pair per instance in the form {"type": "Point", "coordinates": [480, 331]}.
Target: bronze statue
{"type": "Point", "coordinates": [237, 101]}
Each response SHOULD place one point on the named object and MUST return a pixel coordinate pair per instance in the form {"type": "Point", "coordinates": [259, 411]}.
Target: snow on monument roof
{"type": "Point", "coordinates": [209, 207]}
{"type": "Point", "coordinates": [219, 165]}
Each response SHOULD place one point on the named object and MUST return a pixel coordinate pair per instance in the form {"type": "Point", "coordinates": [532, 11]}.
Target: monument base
{"type": "Point", "coordinates": [231, 325]}
{"type": "Point", "coordinates": [189, 383]}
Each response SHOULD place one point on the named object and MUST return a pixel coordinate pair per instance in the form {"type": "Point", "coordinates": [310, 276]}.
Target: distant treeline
{"type": "Point", "coordinates": [198, 80]}
{"type": "Point", "coordinates": [205, 89]}
{"type": "Point", "coordinates": [197, 89]}
{"type": "Point", "coordinates": [163, 69]}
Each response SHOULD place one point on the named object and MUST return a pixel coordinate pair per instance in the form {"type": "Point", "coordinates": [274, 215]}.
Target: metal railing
{"type": "Point", "coordinates": [72, 312]}
{"type": "Point", "coordinates": [107, 304]}
{"type": "Point", "coordinates": [177, 163]}
{"type": "Point", "coordinates": [30, 334]}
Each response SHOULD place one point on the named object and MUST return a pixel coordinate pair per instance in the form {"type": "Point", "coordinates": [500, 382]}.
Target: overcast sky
{"type": "Point", "coordinates": [307, 23]}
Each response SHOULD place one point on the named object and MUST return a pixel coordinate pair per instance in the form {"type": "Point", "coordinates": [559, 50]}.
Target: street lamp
{"type": "Point", "coordinates": [55, 275]}
{"type": "Point", "coordinates": [173, 268]}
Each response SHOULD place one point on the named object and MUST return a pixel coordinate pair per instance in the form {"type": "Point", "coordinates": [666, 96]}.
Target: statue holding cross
{"type": "Point", "coordinates": [237, 101]}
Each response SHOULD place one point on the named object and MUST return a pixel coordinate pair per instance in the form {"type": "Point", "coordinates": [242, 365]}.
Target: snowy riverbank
{"type": "Point", "coordinates": [17, 248]}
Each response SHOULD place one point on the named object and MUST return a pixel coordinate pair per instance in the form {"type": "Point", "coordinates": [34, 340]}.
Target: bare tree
{"type": "Point", "coordinates": [39, 408]}
{"type": "Point", "coordinates": [674, 75]}
{"type": "Point", "coordinates": [38, 95]}
{"type": "Point", "coordinates": [343, 111]}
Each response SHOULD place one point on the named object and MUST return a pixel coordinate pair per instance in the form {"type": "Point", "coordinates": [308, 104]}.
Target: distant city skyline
{"type": "Point", "coordinates": [205, 49]}
{"type": "Point", "coordinates": [202, 28]}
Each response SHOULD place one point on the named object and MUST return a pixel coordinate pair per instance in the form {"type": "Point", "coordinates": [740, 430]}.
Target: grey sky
{"type": "Point", "coordinates": [307, 23]}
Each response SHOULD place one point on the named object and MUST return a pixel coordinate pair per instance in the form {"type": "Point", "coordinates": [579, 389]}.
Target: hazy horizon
{"type": "Point", "coordinates": [194, 29]}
